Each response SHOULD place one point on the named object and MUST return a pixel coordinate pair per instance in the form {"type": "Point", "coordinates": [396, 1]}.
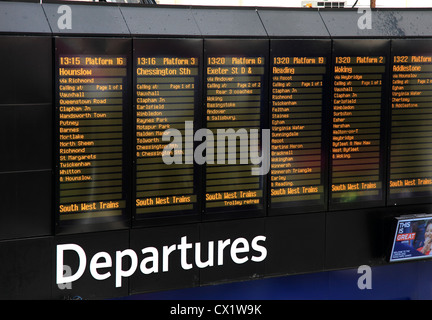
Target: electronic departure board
{"type": "Point", "coordinates": [299, 95]}
{"type": "Point", "coordinates": [167, 98]}
{"type": "Point", "coordinates": [236, 103]}
{"type": "Point", "coordinates": [358, 132]}
{"type": "Point", "coordinates": [92, 101]}
{"type": "Point", "coordinates": [410, 176]}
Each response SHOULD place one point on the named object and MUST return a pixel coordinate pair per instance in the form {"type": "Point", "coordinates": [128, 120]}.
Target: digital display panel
{"type": "Point", "coordinates": [299, 93]}
{"type": "Point", "coordinates": [167, 94]}
{"type": "Point", "coordinates": [410, 176]}
{"type": "Point", "coordinates": [413, 238]}
{"type": "Point", "coordinates": [91, 101]}
{"type": "Point", "coordinates": [359, 104]}
{"type": "Point", "coordinates": [236, 100]}
{"type": "Point", "coordinates": [199, 146]}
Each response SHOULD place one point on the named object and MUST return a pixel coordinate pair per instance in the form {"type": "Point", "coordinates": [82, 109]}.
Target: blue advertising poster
{"type": "Point", "coordinates": [413, 238]}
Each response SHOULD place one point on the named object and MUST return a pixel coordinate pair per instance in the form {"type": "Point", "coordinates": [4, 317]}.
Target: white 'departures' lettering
{"type": "Point", "coordinates": [154, 260]}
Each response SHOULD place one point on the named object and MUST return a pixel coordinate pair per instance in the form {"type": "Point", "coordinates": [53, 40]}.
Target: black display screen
{"type": "Point", "coordinates": [235, 114]}
{"type": "Point", "coordinates": [92, 101]}
{"type": "Point", "coordinates": [410, 165]}
{"type": "Point", "coordinates": [167, 98]}
{"type": "Point", "coordinates": [299, 95]}
{"type": "Point", "coordinates": [357, 161]}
